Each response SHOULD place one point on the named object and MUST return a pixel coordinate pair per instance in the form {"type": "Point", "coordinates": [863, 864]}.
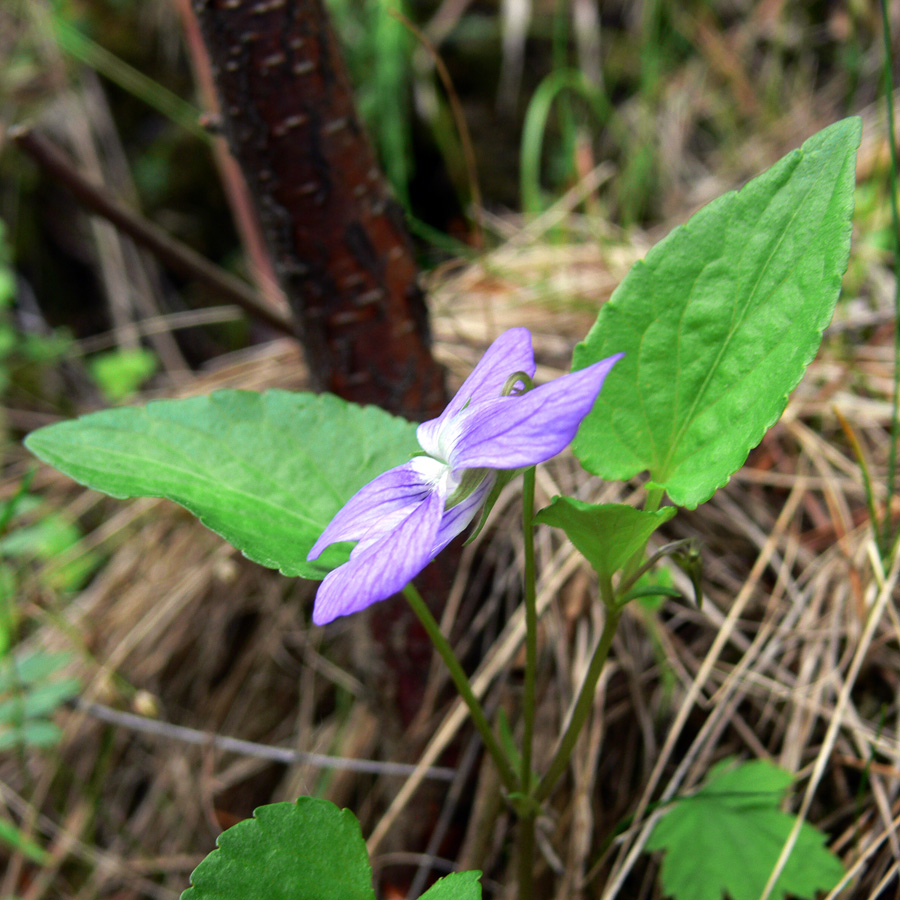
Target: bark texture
{"type": "Point", "coordinates": [337, 239]}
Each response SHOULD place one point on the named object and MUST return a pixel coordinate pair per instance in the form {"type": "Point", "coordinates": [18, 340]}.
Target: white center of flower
{"type": "Point", "coordinates": [449, 436]}
{"type": "Point", "coordinates": [436, 473]}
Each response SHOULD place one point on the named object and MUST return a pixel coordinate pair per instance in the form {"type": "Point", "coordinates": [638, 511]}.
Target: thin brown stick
{"type": "Point", "coordinates": [284, 755]}
{"type": "Point", "coordinates": [170, 251]}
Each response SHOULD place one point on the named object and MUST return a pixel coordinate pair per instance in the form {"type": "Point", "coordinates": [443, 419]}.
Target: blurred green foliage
{"type": "Point", "coordinates": [120, 373]}
{"type": "Point", "coordinates": [22, 354]}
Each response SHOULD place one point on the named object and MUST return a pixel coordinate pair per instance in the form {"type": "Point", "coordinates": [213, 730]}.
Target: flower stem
{"type": "Point", "coordinates": [529, 696]}
{"type": "Point", "coordinates": [525, 846]}
{"type": "Point", "coordinates": [525, 837]}
{"type": "Point", "coordinates": [463, 686]}
{"type": "Point", "coordinates": [654, 498]}
{"type": "Point", "coordinates": [582, 707]}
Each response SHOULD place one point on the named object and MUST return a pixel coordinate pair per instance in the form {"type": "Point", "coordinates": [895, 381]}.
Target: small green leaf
{"type": "Point", "coordinates": [653, 596]}
{"type": "Point", "coordinates": [607, 535]}
{"type": "Point", "coordinates": [726, 840]}
{"type": "Point", "coordinates": [308, 850]}
{"type": "Point", "coordinates": [32, 668]}
{"type": "Point", "coordinates": [507, 741]}
{"type": "Point", "coordinates": [458, 886]}
{"type": "Point", "coordinates": [40, 701]}
{"type": "Point", "coordinates": [52, 539]}
{"type": "Point", "coordinates": [266, 471]}
{"type": "Point", "coordinates": [119, 373]}
{"type": "Point", "coordinates": [33, 733]}
{"type": "Point", "coordinates": [28, 694]}
{"type": "Point", "coordinates": [13, 837]}
{"type": "Point", "coordinates": [719, 322]}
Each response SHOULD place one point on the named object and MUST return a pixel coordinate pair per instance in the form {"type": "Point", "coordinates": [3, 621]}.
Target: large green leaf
{"type": "Point", "coordinates": [308, 850]}
{"type": "Point", "coordinates": [607, 535]}
{"type": "Point", "coordinates": [458, 886]}
{"type": "Point", "coordinates": [266, 471]}
{"type": "Point", "coordinates": [719, 322]}
{"type": "Point", "coordinates": [727, 838]}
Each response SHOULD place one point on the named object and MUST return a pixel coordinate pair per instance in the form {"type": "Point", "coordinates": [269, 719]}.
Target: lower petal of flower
{"type": "Point", "coordinates": [377, 507]}
{"type": "Point", "coordinates": [384, 566]}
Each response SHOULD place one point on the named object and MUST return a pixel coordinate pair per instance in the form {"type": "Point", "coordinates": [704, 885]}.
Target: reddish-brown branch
{"type": "Point", "coordinates": [336, 235]}
{"type": "Point", "coordinates": [167, 249]}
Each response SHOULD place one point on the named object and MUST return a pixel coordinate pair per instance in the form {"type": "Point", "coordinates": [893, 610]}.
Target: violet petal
{"type": "Point", "coordinates": [511, 352]}
{"type": "Point", "coordinates": [377, 507]}
{"type": "Point", "coordinates": [524, 430]}
{"type": "Point", "coordinates": [384, 567]}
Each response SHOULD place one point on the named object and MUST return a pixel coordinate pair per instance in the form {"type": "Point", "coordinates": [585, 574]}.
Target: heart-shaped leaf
{"type": "Point", "coordinates": [607, 535]}
{"type": "Point", "coordinates": [265, 471]}
{"type": "Point", "coordinates": [719, 322]}
{"type": "Point", "coordinates": [308, 850]}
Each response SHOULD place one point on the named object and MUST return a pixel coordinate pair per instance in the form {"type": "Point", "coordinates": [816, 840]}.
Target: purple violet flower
{"type": "Point", "coordinates": [406, 516]}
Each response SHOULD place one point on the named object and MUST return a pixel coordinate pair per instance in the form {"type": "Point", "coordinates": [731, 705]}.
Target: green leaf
{"type": "Point", "coordinates": [33, 733]}
{"type": "Point", "coordinates": [41, 701]}
{"type": "Point", "coordinates": [719, 322]}
{"type": "Point", "coordinates": [265, 471]}
{"type": "Point", "coordinates": [13, 837]}
{"type": "Point", "coordinates": [28, 694]}
{"type": "Point", "coordinates": [458, 886]}
{"type": "Point", "coordinates": [308, 850]}
{"type": "Point", "coordinates": [726, 840]}
{"type": "Point", "coordinates": [31, 668]}
{"type": "Point", "coordinates": [607, 535]}
{"type": "Point", "coordinates": [52, 539]}
{"type": "Point", "coordinates": [119, 373]}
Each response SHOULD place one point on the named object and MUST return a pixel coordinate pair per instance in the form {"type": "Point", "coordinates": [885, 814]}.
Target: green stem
{"type": "Point", "coordinates": [527, 815]}
{"type": "Point", "coordinates": [525, 841]}
{"type": "Point", "coordinates": [651, 504]}
{"type": "Point", "coordinates": [529, 698]}
{"type": "Point", "coordinates": [463, 686]}
{"type": "Point", "coordinates": [895, 214]}
{"type": "Point", "coordinates": [654, 498]}
{"type": "Point", "coordinates": [626, 584]}
{"type": "Point", "coordinates": [582, 706]}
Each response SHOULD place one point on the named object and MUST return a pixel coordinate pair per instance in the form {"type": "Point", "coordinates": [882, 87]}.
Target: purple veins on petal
{"type": "Point", "coordinates": [376, 507]}
{"type": "Point", "coordinates": [399, 519]}
{"type": "Point", "coordinates": [383, 566]}
{"type": "Point", "coordinates": [510, 353]}
{"type": "Point", "coordinates": [523, 430]}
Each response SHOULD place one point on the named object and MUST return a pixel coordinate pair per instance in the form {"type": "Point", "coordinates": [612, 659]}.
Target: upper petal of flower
{"type": "Point", "coordinates": [377, 507]}
{"type": "Point", "coordinates": [383, 566]}
{"type": "Point", "coordinates": [529, 428]}
{"type": "Point", "coordinates": [510, 353]}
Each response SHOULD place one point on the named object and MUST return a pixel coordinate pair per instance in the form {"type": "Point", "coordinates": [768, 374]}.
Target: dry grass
{"type": "Point", "coordinates": [794, 656]}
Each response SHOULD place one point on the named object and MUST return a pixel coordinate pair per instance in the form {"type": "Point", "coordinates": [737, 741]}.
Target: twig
{"type": "Point", "coordinates": [251, 748]}
{"type": "Point", "coordinates": [170, 251]}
